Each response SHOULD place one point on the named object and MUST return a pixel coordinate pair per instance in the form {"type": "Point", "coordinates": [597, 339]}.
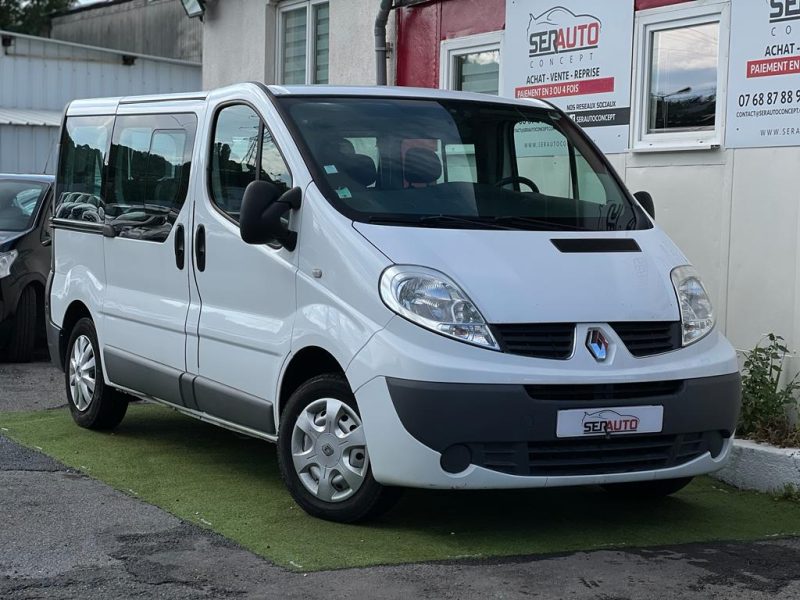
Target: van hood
{"type": "Point", "coordinates": [522, 277]}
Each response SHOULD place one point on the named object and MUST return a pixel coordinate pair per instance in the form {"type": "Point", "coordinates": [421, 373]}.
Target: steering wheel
{"type": "Point", "coordinates": [517, 179]}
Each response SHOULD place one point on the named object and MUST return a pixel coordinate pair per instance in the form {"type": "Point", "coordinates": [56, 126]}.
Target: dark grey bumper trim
{"type": "Point", "coordinates": [442, 414]}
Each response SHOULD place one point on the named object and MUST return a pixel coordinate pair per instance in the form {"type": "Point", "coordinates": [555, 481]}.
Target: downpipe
{"type": "Point", "coordinates": [380, 41]}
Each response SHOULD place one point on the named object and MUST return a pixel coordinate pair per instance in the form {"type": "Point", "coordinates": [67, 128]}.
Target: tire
{"type": "Point", "coordinates": [93, 404]}
{"type": "Point", "coordinates": [327, 407]}
{"type": "Point", "coordinates": [659, 488]}
{"type": "Point", "coordinates": [23, 333]}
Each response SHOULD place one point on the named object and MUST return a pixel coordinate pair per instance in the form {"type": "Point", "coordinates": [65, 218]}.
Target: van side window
{"type": "Point", "coordinates": [81, 174]}
{"type": "Point", "coordinates": [148, 174]}
{"type": "Point", "coordinates": [241, 142]}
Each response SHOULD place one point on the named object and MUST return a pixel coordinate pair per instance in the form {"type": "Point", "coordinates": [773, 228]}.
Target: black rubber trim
{"type": "Point", "coordinates": [187, 390]}
{"type": "Point", "coordinates": [142, 375]}
{"type": "Point", "coordinates": [83, 227]}
{"type": "Point", "coordinates": [596, 245]}
{"type": "Point", "coordinates": [233, 405]}
{"type": "Point", "coordinates": [442, 414]}
{"type": "Point", "coordinates": [177, 387]}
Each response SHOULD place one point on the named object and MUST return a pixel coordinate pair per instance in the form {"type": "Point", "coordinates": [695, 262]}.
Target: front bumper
{"type": "Point", "coordinates": [489, 436]}
{"type": "Point", "coordinates": [489, 420]}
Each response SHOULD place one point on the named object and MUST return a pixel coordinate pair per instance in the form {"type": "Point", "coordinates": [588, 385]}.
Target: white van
{"type": "Point", "coordinates": [401, 287]}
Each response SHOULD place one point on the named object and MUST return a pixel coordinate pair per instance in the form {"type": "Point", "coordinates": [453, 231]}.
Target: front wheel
{"type": "Point", "coordinates": [658, 488]}
{"type": "Point", "coordinates": [323, 457]}
{"type": "Point", "coordinates": [93, 405]}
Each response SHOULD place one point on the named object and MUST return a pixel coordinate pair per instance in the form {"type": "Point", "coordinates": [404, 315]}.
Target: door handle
{"type": "Point", "coordinates": [180, 247]}
{"type": "Point", "coordinates": [200, 247]}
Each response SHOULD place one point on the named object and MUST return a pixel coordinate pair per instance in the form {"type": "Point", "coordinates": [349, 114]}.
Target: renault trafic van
{"type": "Point", "coordinates": [400, 287]}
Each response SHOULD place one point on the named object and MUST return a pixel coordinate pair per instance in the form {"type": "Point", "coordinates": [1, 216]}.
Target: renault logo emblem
{"type": "Point", "coordinates": [597, 344]}
{"type": "Point", "coordinates": [327, 450]}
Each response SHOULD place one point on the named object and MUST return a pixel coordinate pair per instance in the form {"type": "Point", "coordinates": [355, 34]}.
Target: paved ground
{"type": "Point", "coordinates": [64, 535]}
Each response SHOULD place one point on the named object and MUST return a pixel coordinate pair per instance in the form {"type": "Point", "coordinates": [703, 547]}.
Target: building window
{"type": "Point", "coordinates": [303, 42]}
{"type": "Point", "coordinates": [681, 74]}
{"type": "Point", "coordinates": [472, 63]}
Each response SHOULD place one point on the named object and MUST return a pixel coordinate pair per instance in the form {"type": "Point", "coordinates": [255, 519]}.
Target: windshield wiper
{"type": "Point", "coordinates": [540, 223]}
{"type": "Point", "coordinates": [473, 222]}
{"type": "Point", "coordinates": [434, 220]}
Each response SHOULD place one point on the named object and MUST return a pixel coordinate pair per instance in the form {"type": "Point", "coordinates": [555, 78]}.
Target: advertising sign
{"type": "Point", "coordinates": [764, 77]}
{"type": "Point", "coordinates": [576, 54]}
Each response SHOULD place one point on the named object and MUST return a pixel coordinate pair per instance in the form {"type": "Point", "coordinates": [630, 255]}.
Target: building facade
{"type": "Point", "coordinates": [694, 101]}
{"type": "Point", "coordinates": [39, 76]}
{"type": "Point", "coordinates": [154, 27]}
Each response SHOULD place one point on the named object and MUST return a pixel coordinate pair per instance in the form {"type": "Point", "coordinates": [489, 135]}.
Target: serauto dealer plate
{"type": "Point", "coordinates": [620, 420]}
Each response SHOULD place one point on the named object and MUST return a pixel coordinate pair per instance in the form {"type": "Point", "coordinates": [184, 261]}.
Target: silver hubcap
{"type": "Point", "coordinates": [329, 450]}
{"type": "Point", "coordinates": [82, 373]}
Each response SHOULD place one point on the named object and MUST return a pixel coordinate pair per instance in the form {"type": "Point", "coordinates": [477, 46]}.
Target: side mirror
{"type": "Point", "coordinates": [260, 220]}
{"type": "Point", "coordinates": [646, 200]}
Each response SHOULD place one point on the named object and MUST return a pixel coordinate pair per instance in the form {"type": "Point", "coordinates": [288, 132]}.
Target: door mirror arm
{"type": "Point", "coordinates": [263, 206]}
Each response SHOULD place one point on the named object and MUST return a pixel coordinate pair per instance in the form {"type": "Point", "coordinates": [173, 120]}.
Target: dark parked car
{"type": "Point", "coordinates": [25, 207]}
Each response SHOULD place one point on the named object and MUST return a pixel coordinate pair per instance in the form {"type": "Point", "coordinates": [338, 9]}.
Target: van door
{"type": "Point", "coordinates": [247, 293]}
{"type": "Point", "coordinates": [147, 217]}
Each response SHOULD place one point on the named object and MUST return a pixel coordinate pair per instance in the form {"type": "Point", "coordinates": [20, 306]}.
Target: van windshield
{"type": "Point", "coordinates": [459, 164]}
{"type": "Point", "coordinates": [18, 203]}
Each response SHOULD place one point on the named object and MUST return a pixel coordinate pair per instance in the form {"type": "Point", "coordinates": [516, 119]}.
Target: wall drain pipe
{"type": "Point", "coordinates": [380, 41]}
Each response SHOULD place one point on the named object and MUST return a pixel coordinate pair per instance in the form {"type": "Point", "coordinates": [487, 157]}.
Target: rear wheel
{"type": "Point", "coordinates": [23, 334]}
{"type": "Point", "coordinates": [93, 405]}
{"type": "Point", "coordinates": [648, 489]}
{"type": "Point", "coordinates": [323, 457]}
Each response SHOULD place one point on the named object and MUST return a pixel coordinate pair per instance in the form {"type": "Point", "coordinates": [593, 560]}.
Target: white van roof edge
{"type": "Point", "coordinates": [80, 106]}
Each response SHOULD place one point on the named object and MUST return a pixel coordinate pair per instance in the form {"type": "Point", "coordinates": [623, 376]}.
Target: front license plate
{"type": "Point", "coordinates": [620, 420]}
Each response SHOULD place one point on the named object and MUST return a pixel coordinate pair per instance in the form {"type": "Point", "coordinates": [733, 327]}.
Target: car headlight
{"type": "Point", "coordinates": [697, 314]}
{"type": "Point", "coordinates": [432, 300]}
{"type": "Point", "coordinates": [6, 260]}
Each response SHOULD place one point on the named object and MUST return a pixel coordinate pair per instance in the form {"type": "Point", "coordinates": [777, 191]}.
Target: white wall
{"type": "Point", "coordinates": [238, 42]}
{"type": "Point", "coordinates": [353, 42]}
{"type": "Point", "coordinates": [736, 215]}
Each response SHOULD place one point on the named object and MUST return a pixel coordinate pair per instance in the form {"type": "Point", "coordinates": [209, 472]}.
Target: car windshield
{"type": "Point", "coordinates": [459, 164]}
{"type": "Point", "coordinates": [18, 202]}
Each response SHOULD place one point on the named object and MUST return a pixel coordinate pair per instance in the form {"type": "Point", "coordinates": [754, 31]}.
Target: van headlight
{"type": "Point", "coordinates": [431, 299]}
{"type": "Point", "coordinates": [697, 314]}
{"type": "Point", "coordinates": [6, 260]}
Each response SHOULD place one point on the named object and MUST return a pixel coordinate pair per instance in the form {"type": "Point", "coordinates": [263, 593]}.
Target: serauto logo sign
{"type": "Point", "coordinates": [559, 30]}
{"type": "Point", "coordinates": [609, 422]}
{"type": "Point", "coordinates": [784, 10]}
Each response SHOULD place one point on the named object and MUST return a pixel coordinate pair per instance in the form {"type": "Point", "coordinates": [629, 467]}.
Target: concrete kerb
{"type": "Point", "coordinates": [761, 467]}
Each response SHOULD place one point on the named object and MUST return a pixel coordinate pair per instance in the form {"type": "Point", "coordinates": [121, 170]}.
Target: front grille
{"type": "Point", "coordinates": [646, 338]}
{"type": "Point", "coordinates": [607, 391]}
{"type": "Point", "coordinates": [537, 340]}
{"type": "Point", "coordinates": [594, 456]}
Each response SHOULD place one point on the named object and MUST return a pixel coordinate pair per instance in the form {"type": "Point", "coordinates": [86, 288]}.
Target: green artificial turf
{"type": "Point", "coordinates": [230, 484]}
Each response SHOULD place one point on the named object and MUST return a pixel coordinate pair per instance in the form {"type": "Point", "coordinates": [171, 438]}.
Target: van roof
{"type": "Point", "coordinates": [108, 105]}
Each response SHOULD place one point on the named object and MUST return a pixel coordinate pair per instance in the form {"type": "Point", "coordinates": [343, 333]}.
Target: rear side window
{"type": "Point", "coordinates": [81, 173]}
{"type": "Point", "coordinates": [243, 151]}
{"type": "Point", "coordinates": [148, 174]}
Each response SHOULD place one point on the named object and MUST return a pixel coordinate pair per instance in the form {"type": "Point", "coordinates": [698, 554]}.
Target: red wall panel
{"type": "Point", "coordinates": [420, 29]}
{"type": "Point", "coordinates": [418, 46]}
{"type": "Point", "coordinates": [468, 17]}
{"type": "Point", "coordinates": [643, 4]}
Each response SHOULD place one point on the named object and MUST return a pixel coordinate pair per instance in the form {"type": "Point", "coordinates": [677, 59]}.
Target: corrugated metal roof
{"type": "Point", "coordinates": [20, 116]}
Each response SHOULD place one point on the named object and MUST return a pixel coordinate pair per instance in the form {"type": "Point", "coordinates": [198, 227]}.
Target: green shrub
{"type": "Point", "coordinates": [765, 400]}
